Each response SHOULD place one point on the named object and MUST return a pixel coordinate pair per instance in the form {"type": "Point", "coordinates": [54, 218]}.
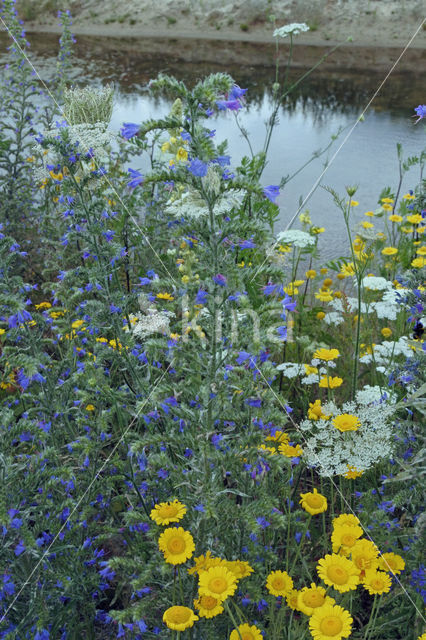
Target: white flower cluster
{"type": "Point", "coordinates": [300, 239]}
{"type": "Point", "coordinates": [191, 205]}
{"type": "Point", "coordinates": [290, 29]}
{"type": "Point", "coordinates": [291, 369]}
{"type": "Point", "coordinates": [332, 452]}
{"type": "Point", "coordinates": [387, 351]}
{"type": "Point", "coordinates": [376, 283]}
{"type": "Point", "coordinates": [153, 322]}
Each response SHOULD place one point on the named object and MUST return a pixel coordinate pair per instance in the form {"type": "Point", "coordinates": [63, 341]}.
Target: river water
{"type": "Point", "coordinates": [328, 101]}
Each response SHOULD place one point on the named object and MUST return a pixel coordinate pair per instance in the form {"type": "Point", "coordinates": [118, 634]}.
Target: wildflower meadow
{"type": "Point", "coordinates": [206, 431]}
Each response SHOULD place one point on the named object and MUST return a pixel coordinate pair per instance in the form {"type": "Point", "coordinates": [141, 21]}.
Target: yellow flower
{"type": "Point", "coordinates": [347, 270]}
{"type": "Point", "coordinates": [352, 472]}
{"type": "Point", "coordinates": [353, 203]}
{"type": "Point", "coordinates": [418, 263]}
{"type": "Point", "coordinates": [208, 607]}
{"type": "Point", "coordinates": [376, 582]}
{"type": "Point", "coordinates": [202, 563]}
{"type": "Point", "coordinates": [407, 229]}
{"type": "Point", "coordinates": [77, 324]}
{"type": "Point", "coordinates": [310, 598]}
{"type": "Point", "coordinates": [345, 520]}
{"type": "Point", "coordinates": [179, 618]}
{"type": "Point", "coordinates": [395, 218]}
{"type": "Point", "coordinates": [217, 582]}
{"type": "Point", "coordinates": [364, 555]}
{"type": "Point", "coordinates": [391, 563]}
{"type": "Point", "coordinates": [386, 332]}
{"type": "Point", "coordinates": [344, 538]}
{"type": "Point", "coordinates": [346, 422]}
{"type": "Point", "coordinates": [311, 273]}
{"type": "Point", "coordinates": [320, 315]}
{"type": "Point", "coordinates": [324, 296]}
{"type": "Point", "coordinates": [422, 637]}
{"type": "Point", "coordinates": [284, 248]}
{"type": "Point", "coordinates": [328, 382]}
{"type": "Point", "coordinates": [421, 251]}
{"type": "Point", "coordinates": [165, 296]}
{"type": "Point", "coordinates": [267, 450]}
{"type": "Point", "coordinates": [240, 568]}
{"type": "Point", "coordinates": [90, 407]}
{"type": "Point", "coordinates": [389, 251]}
{"type": "Point", "coordinates": [326, 354]}
{"type": "Point", "coordinates": [367, 225]}
{"type": "Point", "coordinates": [318, 230]}
{"type": "Point", "coordinates": [338, 572]}
{"type": "Point", "coordinates": [47, 305]}
{"type": "Point", "coordinates": [408, 196]}
{"type": "Point", "coordinates": [330, 622]}
{"type": "Point", "coordinates": [2, 331]}
{"type": "Point", "coordinates": [313, 503]}
{"type": "Point", "coordinates": [165, 147]}
{"type": "Point", "coordinates": [279, 436]}
{"type": "Point", "coordinates": [370, 214]}
{"type": "Point", "coordinates": [387, 207]}
{"type": "Point", "coordinates": [177, 545]}
{"type": "Point", "coordinates": [323, 271]}
{"type": "Point", "coordinates": [182, 154]}
{"type": "Point", "coordinates": [414, 219]}
{"type": "Point", "coordinates": [291, 599]}
{"type": "Point", "coordinates": [56, 176]}
{"type": "Point", "coordinates": [246, 632]}
{"type": "Point", "coordinates": [166, 512]}
{"type": "Point", "coordinates": [310, 369]}
{"type": "Point", "coordinates": [290, 451]}
{"type": "Point", "coordinates": [279, 583]}
{"type": "Point", "coordinates": [315, 411]}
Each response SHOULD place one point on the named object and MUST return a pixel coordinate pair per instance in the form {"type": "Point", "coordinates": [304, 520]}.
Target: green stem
{"type": "Point", "coordinates": [234, 622]}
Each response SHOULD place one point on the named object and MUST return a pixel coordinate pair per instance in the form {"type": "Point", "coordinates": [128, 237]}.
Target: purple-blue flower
{"type": "Point", "coordinates": [272, 192]}
{"type": "Point", "coordinates": [129, 129]}
{"type": "Point", "coordinates": [136, 178]}
{"type": "Point", "coordinates": [420, 112]}
{"type": "Point", "coordinates": [198, 168]}
{"type": "Point", "coordinates": [220, 279]}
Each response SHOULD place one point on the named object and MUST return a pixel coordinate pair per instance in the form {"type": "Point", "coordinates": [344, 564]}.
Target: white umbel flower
{"type": "Point", "coordinates": [290, 29]}
{"type": "Point", "coordinates": [153, 322]}
{"type": "Point", "coordinates": [300, 239]}
{"type": "Point", "coordinates": [376, 283]}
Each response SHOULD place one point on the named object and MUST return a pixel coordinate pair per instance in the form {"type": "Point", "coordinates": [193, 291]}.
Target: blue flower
{"type": "Point", "coordinates": [421, 112]}
{"type": "Point", "coordinates": [220, 279]}
{"type": "Point", "coordinates": [272, 192]}
{"type": "Point", "coordinates": [129, 129]}
{"type": "Point", "coordinates": [136, 178]}
{"type": "Point", "coordinates": [198, 168]}
{"type": "Point", "coordinates": [201, 297]}
{"type": "Point", "coordinates": [247, 244]}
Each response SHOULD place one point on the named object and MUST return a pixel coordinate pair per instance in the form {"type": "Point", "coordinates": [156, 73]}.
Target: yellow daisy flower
{"type": "Point", "coordinates": [208, 607]}
{"type": "Point", "coordinates": [176, 544]}
{"type": "Point", "coordinates": [240, 568]}
{"type": "Point", "coordinates": [165, 296]}
{"type": "Point", "coordinates": [344, 538]}
{"type": "Point", "coordinates": [179, 618]}
{"type": "Point", "coordinates": [315, 411]}
{"type": "Point", "coordinates": [346, 422]}
{"type": "Point", "coordinates": [313, 502]}
{"type": "Point", "coordinates": [367, 225]}
{"type": "Point", "coordinates": [279, 436]}
{"type": "Point", "coordinates": [330, 622]}
{"type": "Point", "coordinates": [416, 218]}
{"type": "Point", "coordinates": [345, 520]}
{"type": "Point", "coordinates": [310, 598]}
{"type": "Point", "coordinates": [311, 273]}
{"type": "Point", "coordinates": [376, 582]}
{"type": "Point", "coordinates": [326, 354]}
{"type": "Point", "coordinates": [364, 555]}
{"type": "Point", "coordinates": [386, 332]}
{"type": "Point", "coordinates": [291, 599]}
{"type": "Point", "coordinates": [395, 218]}
{"type": "Point", "coordinates": [202, 563]}
{"type": "Point", "coordinates": [279, 583]}
{"type": "Point", "coordinates": [338, 572]}
{"type": "Point", "coordinates": [246, 632]}
{"type": "Point", "coordinates": [353, 472]}
{"type": "Point", "coordinates": [167, 512]}
{"type": "Point", "coordinates": [290, 451]}
{"type": "Point", "coordinates": [391, 563]}
{"type": "Point", "coordinates": [389, 251]}
{"type": "Point", "coordinates": [387, 207]}
{"type": "Point", "coordinates": [324, 296]}
{"type": "Point", "coordinates": [217, 582]}
{"type": "Point", "coordinates": [328, 382]}
{"type": "Point", "coordinates": [347, 270]}
{"type": "Point", "coordinates": [421, 251]}
{"type": "Point", "coordinates": [418, 263]}
{"type": "Point", "coordinates": [320, 315]}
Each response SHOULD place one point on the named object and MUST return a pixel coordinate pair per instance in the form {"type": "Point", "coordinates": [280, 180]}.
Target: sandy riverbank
{"type": "Point", "coordinates": [379, 29]}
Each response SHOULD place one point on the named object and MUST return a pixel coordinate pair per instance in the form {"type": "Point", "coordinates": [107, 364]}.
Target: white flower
{"type": "Point", "coordinates": [298, 238]}
{"type": "Point", "coordinates": [191, 205]}
{"type": "Point", "coordinates": [376, 283]}
{"type": "Point", "coordinates": [353, 305]}
{"type": "Point", "coordinates": [331, 451]}
{"type": "Point", "coordinates": [154, 322]}
{"type": "Point", "coordinates": [385, 310]}
{"type": "Point", "coordinates": [333, 318]}
{"type": "Point", "coordinates": [291, 369]}
{"type": "Point", "coordinates": [294, 29]}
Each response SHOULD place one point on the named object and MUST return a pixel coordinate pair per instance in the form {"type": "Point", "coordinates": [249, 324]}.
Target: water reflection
{"type": "Point", "coordinates": [326, 101]}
